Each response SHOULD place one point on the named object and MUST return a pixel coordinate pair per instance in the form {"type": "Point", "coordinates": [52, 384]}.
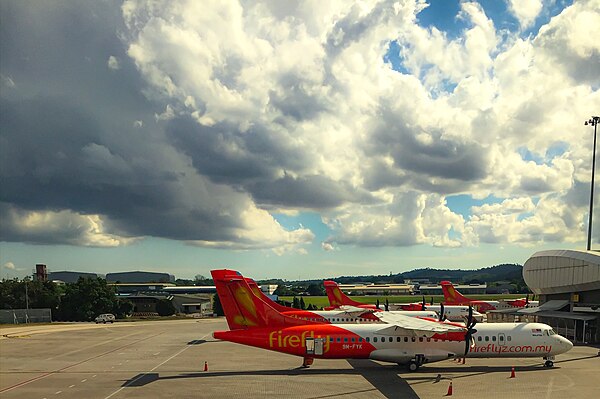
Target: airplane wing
{"type": "Point", "coordinates": [354, 311]}
{"type": "Point", "coordinates": [413, 326]}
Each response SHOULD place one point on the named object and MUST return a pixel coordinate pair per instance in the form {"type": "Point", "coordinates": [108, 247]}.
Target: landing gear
{"type": "Point", "coordinates": [308, 361]}
{"type": "Point", "coordinates": [412, 366]}
{"type": "Point", "coordinates": [549, 361]}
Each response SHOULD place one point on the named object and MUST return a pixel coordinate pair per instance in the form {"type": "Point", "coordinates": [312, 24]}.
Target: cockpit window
{"type": "Point", "coordinates": [551, 332]}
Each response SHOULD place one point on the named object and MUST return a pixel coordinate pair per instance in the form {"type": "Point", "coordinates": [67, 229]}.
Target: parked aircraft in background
{"type": "Point", "coordinates": [343, 315]}
{"type": "Point", "coordinates": [410, 341]}
{"type": "Point", "coordinates": [453, 297]}
{"type": "Point", "coordinates": [451, 312]}
{"type": "Point", "coordinates": [337, 300]}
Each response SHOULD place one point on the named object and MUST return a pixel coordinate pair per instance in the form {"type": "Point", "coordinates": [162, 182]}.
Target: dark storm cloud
{"type": "Point", "coordinates": [453, 164]}
{"type": "Point", "coordinates": [69, 144]}
{"type": "Point", "coordinates": [312, 191]}
{"type": "Point", "coordinates": [227, 155]}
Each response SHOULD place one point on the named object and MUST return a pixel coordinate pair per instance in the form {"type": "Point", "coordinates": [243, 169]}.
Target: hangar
{"type": "Point", "coordinates": [568, 285]}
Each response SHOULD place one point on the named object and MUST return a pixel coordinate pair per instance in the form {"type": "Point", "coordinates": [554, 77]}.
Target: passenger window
{"type": "Point", "coordinates": [397, 339]}
{"type": "Point", "coordinates": [420, 339]}
{"type": "Point", "coordinates": [479, 338]}
{"type": "Point", "coordinates": [360, 340]}
{"type": "Point", "coordinates": [435, 340]}
{"type": "Point", "coordinates": [390, 339]}
{"type": "Point", "coordinates": [338, 339]}
{"type": "Point", "coordinates": [405, 339]}
{"type": "Point", "coordinates": [413, 339]}
{"type": "Point", "coordinates": [374, 339]}
{"type": "Point", "coordinates": [368, 339]}
{"type": "Point", "coordinates": [487, 338]}
{"type": "Point", "coordinates": [330, 339]}
{"type": "Point", "coordinates": [494, 338]}
{"type": "Point", "coordinates": [428, 339]}
{"type": "Point", "coordinates": [345, 339]}
{"type": "Point", "coordinates": [353, 339]}
{"type": "Point", "coordinates": [508, 338]}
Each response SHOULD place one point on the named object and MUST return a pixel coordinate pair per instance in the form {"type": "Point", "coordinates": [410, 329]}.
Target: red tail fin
{"type": "Point", "coordinates": [337, 298]}
{"type": "Point", "coordinates": [257, 291]}
{"type": "Point", "coordinates": [242, 308]}
{"type": "Point", "coordinates": [451, 296]}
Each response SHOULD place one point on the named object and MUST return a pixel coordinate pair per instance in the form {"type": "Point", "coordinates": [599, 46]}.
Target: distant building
{"type": "Point", "coordinates": [69, 277]}
{"type": "Point", "coordinates": [376, 289]}
{"type": "Point", "coordinates": [41, 272]}
{"type": "Point", "coordinates": [140, 277]}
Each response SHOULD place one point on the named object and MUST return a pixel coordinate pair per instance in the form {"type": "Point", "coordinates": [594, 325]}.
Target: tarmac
{"type": "Point", "coordinates": [166, 359]}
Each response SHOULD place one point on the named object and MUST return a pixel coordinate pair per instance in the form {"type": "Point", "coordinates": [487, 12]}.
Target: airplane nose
{"type": "Point", "coordinates": [566, 344]}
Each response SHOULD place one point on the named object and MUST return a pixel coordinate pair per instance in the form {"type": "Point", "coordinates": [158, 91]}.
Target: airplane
{"type": "Point", "coordinates": [410, 341]}
{"type": "Point", "coordinates": [453, 297]}
{"type": "Point", "coordinates": [346, 314]}
{"type": "Point", "coordinates": [338, 299]}
{"type": "Point", "coordinates": [451, 312]}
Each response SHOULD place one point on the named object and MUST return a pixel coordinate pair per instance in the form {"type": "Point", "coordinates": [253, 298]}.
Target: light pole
{"type": "Point", "coordinates": [594, 122]}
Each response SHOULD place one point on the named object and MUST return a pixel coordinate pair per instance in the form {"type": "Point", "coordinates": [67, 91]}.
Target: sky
{"type": "Point", "coordinates": [294, 140]}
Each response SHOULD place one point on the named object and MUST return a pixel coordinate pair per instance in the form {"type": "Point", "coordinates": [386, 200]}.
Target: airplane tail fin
{"type": "Point", "coordinates": [257, 291]}
{"type": "Point", "coordinates": [242, 308]}
{"type": "Point", "coordinates": [336, 297]}
{"type": "Point", "coordinates": [451, 295]}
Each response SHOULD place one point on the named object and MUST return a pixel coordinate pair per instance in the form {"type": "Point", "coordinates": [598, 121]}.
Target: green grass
{"type": "Point", "coordinates": [322, 301]}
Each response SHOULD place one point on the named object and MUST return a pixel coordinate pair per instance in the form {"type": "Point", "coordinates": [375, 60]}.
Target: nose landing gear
{"type": "Point", "coordinates": [549, 361]}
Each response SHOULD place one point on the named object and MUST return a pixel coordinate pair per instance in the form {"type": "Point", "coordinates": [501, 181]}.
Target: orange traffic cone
{"type": "Point", "coordinates": [449, 393]}
{"type": "Point", "coordinates": [205, 366]}
{"type": "Point", "coordinates": [512, 372]}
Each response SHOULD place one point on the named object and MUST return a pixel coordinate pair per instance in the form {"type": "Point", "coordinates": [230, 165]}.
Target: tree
{"type": "Point", "coordinates": [315, 290]}
{"type": "Point", "coordinates": [302, 304]}
{"type": "Point", "coordinates": [122, 308]}
{"type": "Point", "coordinates": [86, 299]}
{"type": "Point", "coordinates": [164, 307]}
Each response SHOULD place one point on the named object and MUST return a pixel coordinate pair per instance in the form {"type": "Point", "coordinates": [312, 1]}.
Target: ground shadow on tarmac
{"type": "Point", "coordinates": [383, 378]}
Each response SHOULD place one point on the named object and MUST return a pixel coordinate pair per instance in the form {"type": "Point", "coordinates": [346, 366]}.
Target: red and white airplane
{"type": "Point", "coordinates": [411, 341]}
{"type": "Point", "coordinates": [343, 315]}
{"type": "Point", "coordinates": [337, 299]}
{"type": "Point", "coordinates": [453, 297]}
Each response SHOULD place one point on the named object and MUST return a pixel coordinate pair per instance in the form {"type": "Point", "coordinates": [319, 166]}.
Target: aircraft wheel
{"type": "Point", "coordinates": [549, 363]}
{"type": "Point", "coordinates": [412, 366]}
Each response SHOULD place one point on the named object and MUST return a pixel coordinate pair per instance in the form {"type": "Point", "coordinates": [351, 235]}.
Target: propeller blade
{"type": "Point", "coordinates": [431, 300]}
{"type": "Point", "coordinates": [423, 303]}
{"type": "Point", "coordinates": [442, 313]}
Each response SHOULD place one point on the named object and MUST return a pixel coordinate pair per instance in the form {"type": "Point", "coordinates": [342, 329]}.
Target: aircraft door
{"type": "Point", "coordinates": [319, 346]}
{"type": "Point", "coordinates": [310, 346]}
{"type": "Point", "coordinates": [501, 339]}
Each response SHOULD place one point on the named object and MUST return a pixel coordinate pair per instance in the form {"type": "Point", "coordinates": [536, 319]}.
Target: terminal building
{"type": "Point", "coordinates": [376, 289]}
{"type": "Point", "coordinates": [568, 285]}
{"type": "Point", "coordinates": [140, 277]}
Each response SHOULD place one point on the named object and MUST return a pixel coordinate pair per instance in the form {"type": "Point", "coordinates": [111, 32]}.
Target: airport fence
{"type": "Point", "coordinates": [22, 316]}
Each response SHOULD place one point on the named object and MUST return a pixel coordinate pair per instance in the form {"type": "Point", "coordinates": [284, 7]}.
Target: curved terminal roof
{"type": "Point", "coordinates": [562, 271]}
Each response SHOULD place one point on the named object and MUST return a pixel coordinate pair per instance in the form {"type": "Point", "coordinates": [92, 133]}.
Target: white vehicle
{"type": "Point", "coordinates": [105, 318]}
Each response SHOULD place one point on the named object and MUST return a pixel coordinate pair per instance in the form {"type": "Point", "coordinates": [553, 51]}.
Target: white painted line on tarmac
{"type": "Point", "coordinates": [154, 368]}
{"type": "Point", "coordinates": [84, 380]}
{"type": "Point", "coordinates": [94, 376]}
{"type": "Point", "coordinates": [71, 386]}
{"type": "Point", "coordinates": [156, 353]}
{"type": "Point", "coordinates": [56, 393]}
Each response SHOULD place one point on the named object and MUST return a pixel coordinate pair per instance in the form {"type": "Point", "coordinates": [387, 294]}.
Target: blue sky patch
{"type": "Point", "coordinates": [309, 220]}
{"type": "Point", "coordinates": [462, 203]}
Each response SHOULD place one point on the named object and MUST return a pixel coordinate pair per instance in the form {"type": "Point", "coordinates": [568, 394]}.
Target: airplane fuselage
{"type": "Point", "coordinates": [361, 341]}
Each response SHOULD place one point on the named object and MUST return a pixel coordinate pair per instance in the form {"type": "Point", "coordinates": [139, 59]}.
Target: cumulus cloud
{"type": "Point", "coordinates": [9, 266]}
{"type": "Point", "coordinates": [526, 11]}
{"type": "Point", "coordinates": [244, 109]}
{"type": "Point", "coordinates": [113, 63]}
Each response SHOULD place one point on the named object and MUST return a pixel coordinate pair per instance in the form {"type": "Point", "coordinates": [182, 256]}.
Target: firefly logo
{"type": "Point", "coordinates": [278, 340]}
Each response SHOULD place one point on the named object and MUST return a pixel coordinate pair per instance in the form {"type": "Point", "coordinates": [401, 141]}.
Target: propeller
{"type": "Point", "coordinates": [526, 300]}
{"type": "Point", "coordinates": [387, 305]}
{"type": "Point", "coordinates": [423, 303]}
{"type": "Point", "coordinates": [469, 341]}
{"type": "Point", "coordinates": [377, 306]}
{"type": "Point", "coordinates": [431, 303]}
{"type": "Point", "coordinates": [442, 315]}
